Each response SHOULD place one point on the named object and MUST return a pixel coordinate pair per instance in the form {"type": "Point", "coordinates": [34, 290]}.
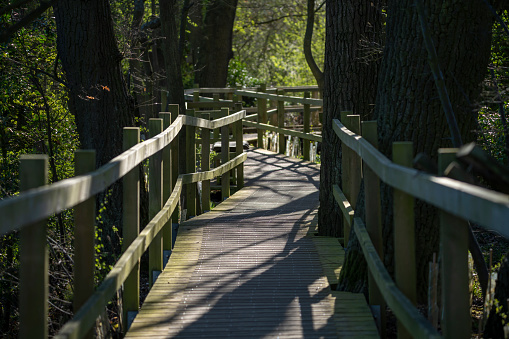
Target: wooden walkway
{"type": "Point", "coordinates": [250, 268]}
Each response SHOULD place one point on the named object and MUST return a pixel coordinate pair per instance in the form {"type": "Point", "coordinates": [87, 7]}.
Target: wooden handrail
{"type": "Point", "coordinates": [48, 200]}
{"type": "Point", "coordinates": [86, 316]}
{"type": "Point", "coordinates": [285, 98]}
{"type": "Point", "coordinates": [404, 310]}
{"type": "Point", "coordinates": [457, 201]}
{"type": "Point", "coordinates": [461, 199]}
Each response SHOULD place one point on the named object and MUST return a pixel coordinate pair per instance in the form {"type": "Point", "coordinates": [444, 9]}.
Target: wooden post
{"type": "Point", "coordinates": [191, 166]}
{"type": "Point", "coordinates": [404, 233]}
{"type": "Point", "coordinates": [155, 250]}
{"type": "Point", "coordinates": [34, 262]}
{"type": "Point", "coordinates": [307, 127]}
{"type": "Point", "coordinates": [372, 206]}
{"type": "Point", "coordinates": [239, 149]}
{"type": "Point", "coordinates": [131, 229]}
{"type": "Point", "coordinates": [174, 163]}
{"type": "Point", "coordinates": [225, 157]}
{"type": "Point", "coordinates": [262, 114]}
{"type": "Point", "coordinates": [215, 97]}
{"type": "Point", "coordinates": [205, 165]}
{"type": "Point", "coordinates": [454, 267]}
{"type": "Point", "coordinates": [196, 95]}
{"type": "Point", "coordinates": [167, 187]}
{"type": "Point", "coordinates": [281, 122]}
{"type": "Point", "coordinates": [84, 237]}
{"type": "Point", "coordinates": [346, 154]}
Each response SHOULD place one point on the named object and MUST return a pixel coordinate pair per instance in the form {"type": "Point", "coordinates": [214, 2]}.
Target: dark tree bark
{"type": "Point", "coordinates": [98, 97]}
{"type": "Point", "coordinates": [215, 49]}
{"type": "Point", "coordinates": [172, 59]}
{"type": "Point", "coordinates": [408, 107]}
{"type": "Point", "coordinates": [349, 84]}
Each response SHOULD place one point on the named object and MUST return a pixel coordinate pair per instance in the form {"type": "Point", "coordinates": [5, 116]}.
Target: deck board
{"type": "Point", "coordinates": [253, 268]}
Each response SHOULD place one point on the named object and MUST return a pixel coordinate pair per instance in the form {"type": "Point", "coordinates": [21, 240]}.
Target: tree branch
{"type": "Point", "coordinates": [7, 32]}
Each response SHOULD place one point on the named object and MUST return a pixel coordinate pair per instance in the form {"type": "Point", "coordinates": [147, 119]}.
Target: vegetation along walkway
{"type": "Point", "coordinates": [250, 268]}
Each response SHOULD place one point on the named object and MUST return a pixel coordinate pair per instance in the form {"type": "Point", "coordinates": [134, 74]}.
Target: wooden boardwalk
{"type": "Point", "coordinates": [250, 268]}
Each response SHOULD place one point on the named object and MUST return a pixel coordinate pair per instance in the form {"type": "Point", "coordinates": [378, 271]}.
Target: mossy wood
{"type": "Point", "coordinates": [458, 198]}
{"type": "Point", "coordinates": [286, 131]}
{"type": "Point", "coordinates": [46, 201]}
{"type": "Point", "coordinates": [131, 225]}
{"type": "Point", "coordinates": [34, 257]}
{"type": "Point", "coordinates": [373, 215]}
{"type": "Point", "coordinates": [404, 234]}
{"type": "Point", "coordinates": [454, 233]}
{"type": "Point", "coordinates": [86, 316]}
{"type": "Point", "coordinates": [396, 300]}
{"type": "Point", "coordinates": [284, 98]}
{"type": "Point", "coordinates": [84, 237]}
{"type": "Point", "coordinates": [155, 180]}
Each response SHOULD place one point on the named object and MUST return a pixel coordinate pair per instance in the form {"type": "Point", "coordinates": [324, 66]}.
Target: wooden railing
{"type": "Point", "coordinates": [263, 96]}
{"type": "Point", "coordinates": [28, 211]}
{"type": "Point", "coordinates": [457, 201]}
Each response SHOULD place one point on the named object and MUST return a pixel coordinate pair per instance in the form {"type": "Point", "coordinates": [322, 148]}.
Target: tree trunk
{"type": "Point", "coordinates": [169, 10]}
{"type": "Point", "coordinates": [98, 97]}
{"type": "Point", "coordinates": [350, 84]}
{"type": "Point", "coordinates": [215, 49]}
{"type": "Point", "coordinates": [408, 107]}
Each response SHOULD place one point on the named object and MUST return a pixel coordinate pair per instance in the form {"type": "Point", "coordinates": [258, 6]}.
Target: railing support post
{"type": "Point", "coordinates": [191, 166]}
{"type": "Point", "coordinates": [174, 163]}
{"type": "Point", "coordinates": [225, 157]}
{"type": "Point", "coordinates": [350, 167]}
{"type": "Point", "coordinates": [372, 207]}
{"type": "Point", "coordinates": [167, 188]}
{"type": "Point", "coordinates": [84, 237]}
{"type": "Point", "coordinates": [454, 268]}
{"type": "Point", "coordinates": [239, 149]}
{"type": "Point", "coordinates": [262, 114]}
{"type": "Point", "coordinates": [131, 228]}
{"type": "Point", "coordinates": [281, 122]}
{"type": "Point", "coordinates": [404, 234]}
{"type": "Point", "coordinates": [155, 252]}
{"type": "Point", "coordinates": [34, 259]}
{"type": "Point", "coordinates": [205, 165]}
{"type": "Point", "coordinates": [307, 128]}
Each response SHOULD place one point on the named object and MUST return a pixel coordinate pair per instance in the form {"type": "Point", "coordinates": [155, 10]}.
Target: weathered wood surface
{"type": "Point", "coordinates": [250, 267]}
{"type": "Point", "coordinates": [458, 198]}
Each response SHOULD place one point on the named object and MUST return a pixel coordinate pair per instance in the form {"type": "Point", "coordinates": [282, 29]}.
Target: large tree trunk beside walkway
{"type": "Point", "coordinates": [408, 107]}
{"type": "Point", "coordinates": [98, 97]}
{"type": "Point", "coordinates": [350, 84]}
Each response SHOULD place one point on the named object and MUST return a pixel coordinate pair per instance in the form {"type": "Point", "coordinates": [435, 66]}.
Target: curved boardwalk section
{"type": "Point", "coordinates": [247, 269]}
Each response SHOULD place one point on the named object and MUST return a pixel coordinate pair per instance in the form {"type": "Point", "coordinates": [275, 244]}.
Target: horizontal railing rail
{"type": "Point", "coordinates": [87, 315]}
{"type": "Point", "coordinates": [79, 193]}
{"type": "Point", "coordinates": [459, 198]}
{"type": "Point", "coordinates": [55, 198]}
{"type": "Point", "coordinates": [457, 202]}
